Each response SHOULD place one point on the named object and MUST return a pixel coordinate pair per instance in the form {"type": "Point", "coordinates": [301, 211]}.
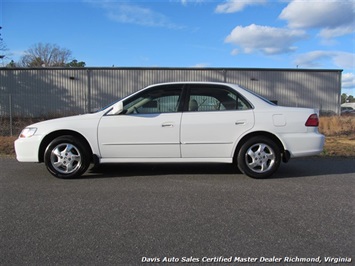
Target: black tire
{"type": "Point", "coordinates": [67, 157]}
{"type": "Point", "coordinates": [259, 157]}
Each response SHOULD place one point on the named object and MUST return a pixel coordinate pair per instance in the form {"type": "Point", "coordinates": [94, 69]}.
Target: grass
{"type": "Point", "coordinates": [339, 132]}
{"type": "Point", "coordinates": [340, 135]}
{"type": "Point", "coordinates": [7, 146]}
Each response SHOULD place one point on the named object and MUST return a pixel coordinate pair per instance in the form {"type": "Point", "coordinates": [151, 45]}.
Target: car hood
{"type": "Point", "coordinates": [76, 123]}
{"type": "Point", "coordinates": [65, 119]}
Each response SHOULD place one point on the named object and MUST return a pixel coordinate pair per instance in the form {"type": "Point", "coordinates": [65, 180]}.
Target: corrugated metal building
{"type": "Point", "coordinates": [46, 92]}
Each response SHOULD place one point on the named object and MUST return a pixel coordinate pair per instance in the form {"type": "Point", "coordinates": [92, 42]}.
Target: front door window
{"type": "Point", "coordinates": [164, 99]}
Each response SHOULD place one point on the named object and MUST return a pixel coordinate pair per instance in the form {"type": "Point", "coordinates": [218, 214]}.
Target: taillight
{"type": "Point", "coordinates": [312, 121]}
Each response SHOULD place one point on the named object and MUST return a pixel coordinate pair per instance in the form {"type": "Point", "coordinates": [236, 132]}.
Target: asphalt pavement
{"type": "Point", "coordinates": [132, 214]}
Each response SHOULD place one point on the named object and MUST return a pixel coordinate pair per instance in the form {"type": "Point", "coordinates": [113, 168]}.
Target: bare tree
{"type": "Point", "coordinates": [45, 55]}
{"type": "Point", "coordinates": [3, 49]}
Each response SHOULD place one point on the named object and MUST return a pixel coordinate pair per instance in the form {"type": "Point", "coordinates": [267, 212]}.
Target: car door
{"type": "Point", "coordinates": [215, 118]}
{"type": "Point", "coordinates": [148, 127]}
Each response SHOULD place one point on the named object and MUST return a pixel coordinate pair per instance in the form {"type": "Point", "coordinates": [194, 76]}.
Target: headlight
{"type": "Point", "coordinates": [28, 132]}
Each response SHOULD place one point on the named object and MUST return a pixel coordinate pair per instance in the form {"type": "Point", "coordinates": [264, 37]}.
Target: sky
{"type": "Point", "coordinates": [304, 34]}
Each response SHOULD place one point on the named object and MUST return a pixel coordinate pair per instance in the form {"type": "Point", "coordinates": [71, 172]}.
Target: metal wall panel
{"type": "Point", "coordinates": [315, 89]}
{"type": "Point", "coordinates": [44, 93]}
{"type": "Point", "coordinates": [59, 92]}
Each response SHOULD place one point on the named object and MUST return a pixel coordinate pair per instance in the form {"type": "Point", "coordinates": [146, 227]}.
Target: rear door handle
{"type": "Point", "coordinates": [241, 122]}
{"type": "Point", "coordinates": [167, 125]}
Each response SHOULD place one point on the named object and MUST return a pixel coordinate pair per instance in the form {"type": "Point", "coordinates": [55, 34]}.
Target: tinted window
{"type": "Point", "coordinates": [162, 99]}
{"type": "Point", "coordinates": [215, 98]}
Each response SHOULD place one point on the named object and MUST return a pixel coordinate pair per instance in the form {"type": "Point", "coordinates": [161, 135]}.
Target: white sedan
{"type": "Point", "coordinates": [179, 122]}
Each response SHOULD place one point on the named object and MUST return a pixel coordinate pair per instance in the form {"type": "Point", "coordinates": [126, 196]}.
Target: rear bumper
{"type": "Point", "coordinates": [303, 144]}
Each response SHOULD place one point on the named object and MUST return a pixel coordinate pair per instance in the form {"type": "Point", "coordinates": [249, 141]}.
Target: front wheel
{"type": "Point", "coordinates": [67, 157]}
{"type": "Point", "coordinates": [259, 157]}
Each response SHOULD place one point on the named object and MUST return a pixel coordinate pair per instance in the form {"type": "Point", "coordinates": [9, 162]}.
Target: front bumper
{"type": "Point", "coordinates": [27, 149]}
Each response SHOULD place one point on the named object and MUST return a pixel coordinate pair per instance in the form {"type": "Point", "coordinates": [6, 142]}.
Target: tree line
{"type": "Point", "coordinates": [47, 55]}
{"type": "Point", "coordinates": [41, 55]}
{"type": "Point", "coordinates": [347, 98]}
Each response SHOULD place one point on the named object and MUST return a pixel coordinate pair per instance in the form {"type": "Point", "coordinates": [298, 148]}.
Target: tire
{"type": "Point", "coordinates": [259, 157]}
{"type": "Point", "coordinates": [67, 157]}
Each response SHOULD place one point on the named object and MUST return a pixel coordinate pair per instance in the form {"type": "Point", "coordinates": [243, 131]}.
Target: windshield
{"type": "Point", "coordinates": [103, 108]}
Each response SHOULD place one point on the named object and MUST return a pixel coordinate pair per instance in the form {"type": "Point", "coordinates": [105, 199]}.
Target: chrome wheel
{"type": "Point", "coordinates": [65, 158]}
{"type": "Point", "coordinates": [260, 158]}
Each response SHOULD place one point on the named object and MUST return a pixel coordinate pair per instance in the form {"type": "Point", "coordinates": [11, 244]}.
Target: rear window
{"type": "Point", "coordinates": [260, 97]}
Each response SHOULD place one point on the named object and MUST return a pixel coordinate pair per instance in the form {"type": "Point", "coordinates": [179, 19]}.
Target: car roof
{"type": "Point", "coordinates": [196, 82]}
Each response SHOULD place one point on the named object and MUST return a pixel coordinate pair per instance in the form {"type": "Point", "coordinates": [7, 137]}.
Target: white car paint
{"type": "Point", "coordinates": [183, 136]}
{"type": "Point", "coordinates": [122, 136]}
{"type": "Point", "coordinates": [213, 134]}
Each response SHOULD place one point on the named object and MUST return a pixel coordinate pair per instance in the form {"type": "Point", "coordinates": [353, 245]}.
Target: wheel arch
{"type": "Point", "coordinates": [51, 136]}
{"type": "Point", "coordinates": [284, 153]}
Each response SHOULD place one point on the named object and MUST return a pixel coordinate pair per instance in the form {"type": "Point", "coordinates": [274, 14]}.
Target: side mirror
{"type": "Point", "coordinates": [117, 108]}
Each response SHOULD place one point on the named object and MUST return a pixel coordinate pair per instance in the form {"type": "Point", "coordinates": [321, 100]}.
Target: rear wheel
{"type": "Point", "coordinates": [67, 157]}
{"type": "Point", "coordinates": [259, 157]}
